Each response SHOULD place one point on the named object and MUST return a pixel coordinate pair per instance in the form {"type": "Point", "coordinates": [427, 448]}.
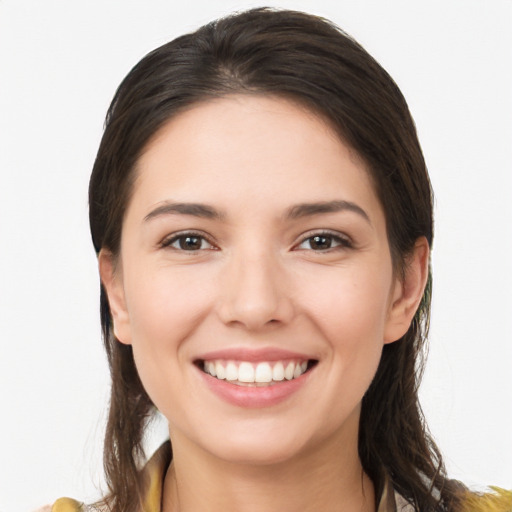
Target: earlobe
{"type": "Point", "coordinates": [111, 278]}
{"type": "Point", "coordinates": [408, 292]}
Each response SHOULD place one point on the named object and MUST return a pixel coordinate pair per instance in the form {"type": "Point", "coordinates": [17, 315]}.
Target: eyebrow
{"type": "Point", "coordinates": [310, 209]}
{"type": "Point", "coordinates": [295, 212]}
{"type": "Point", "coordinates": [194, 209]}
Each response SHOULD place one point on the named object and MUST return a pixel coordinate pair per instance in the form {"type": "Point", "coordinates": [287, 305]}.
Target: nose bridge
{"type": "Point", "coordinates": [255, 290]}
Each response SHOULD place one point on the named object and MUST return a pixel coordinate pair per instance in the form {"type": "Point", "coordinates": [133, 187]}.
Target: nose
{"type": "Point", "coordinates": [255, 293]}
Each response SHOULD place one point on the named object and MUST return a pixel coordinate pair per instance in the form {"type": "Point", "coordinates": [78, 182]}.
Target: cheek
{"type": "Point", "coordinates": [165, 309]}
{"type": "Point", "coordinates": [165, 306]}
{"type": "Point", "coordinates": [351, 318]}
{"type": "Point", "coordinates": [350, 305]}
{"type": "Point", "coordinates": [350, 311]}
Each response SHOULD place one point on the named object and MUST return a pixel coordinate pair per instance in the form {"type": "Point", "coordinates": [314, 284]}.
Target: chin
{"type": "Point", "coordinates": [268, 452]}
{"type": "Point", "coordinates": [264, 443]}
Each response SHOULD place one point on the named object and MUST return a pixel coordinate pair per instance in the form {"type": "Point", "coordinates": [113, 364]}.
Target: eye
{"type": "Point", "coordinates": [323, 242]}
{"type": "Point", "coordinates": [188, 242]}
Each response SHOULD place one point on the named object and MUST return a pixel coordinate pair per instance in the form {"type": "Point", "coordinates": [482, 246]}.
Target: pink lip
{"type": "Point", "coordinates": [253, 355]}
{"type": "Point", "coordinates": [253, 397]}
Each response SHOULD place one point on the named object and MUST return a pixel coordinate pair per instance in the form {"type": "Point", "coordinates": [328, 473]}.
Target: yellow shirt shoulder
{"type": "Point", "coordinates": [499, 500]}
{"type": "Point", "coordinates": [66, 505]}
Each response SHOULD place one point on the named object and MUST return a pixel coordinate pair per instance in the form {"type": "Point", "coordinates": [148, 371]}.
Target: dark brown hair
{"type": "Point", "coordinates": [311, 61]}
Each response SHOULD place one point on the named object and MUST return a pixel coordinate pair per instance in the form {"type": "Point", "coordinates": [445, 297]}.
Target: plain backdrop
{"type": "Point", "coordinates": [60, 62]}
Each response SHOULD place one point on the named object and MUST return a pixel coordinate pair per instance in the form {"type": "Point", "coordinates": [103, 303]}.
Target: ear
{"type": "Point", "coordinates": [408, 292]}
{"type": "Point", "coordinates": [111, 278]}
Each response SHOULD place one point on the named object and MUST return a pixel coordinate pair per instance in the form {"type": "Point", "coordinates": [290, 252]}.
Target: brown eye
{"type": "Point", "coordinates": [188, 242]}
{"type": "Point", "coordinates": [320, 242]}
{"type": "Point", "coordinates": [324, 242]}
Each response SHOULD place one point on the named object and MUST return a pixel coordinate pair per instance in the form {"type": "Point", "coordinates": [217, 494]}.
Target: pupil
{"type": "Point", "coordinates": [321, 242]}
{"type": "Point", "coordinates": [190, 243]}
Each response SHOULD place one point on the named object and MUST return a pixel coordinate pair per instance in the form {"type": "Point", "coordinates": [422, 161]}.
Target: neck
{"type": "Point", "coordinates": [329, 478]}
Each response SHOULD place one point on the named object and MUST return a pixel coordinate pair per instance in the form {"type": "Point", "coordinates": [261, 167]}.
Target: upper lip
{"type": "Point", "coordinates": [253, 355]}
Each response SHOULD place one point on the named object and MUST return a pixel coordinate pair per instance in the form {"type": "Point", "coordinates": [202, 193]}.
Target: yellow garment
{"type": "Point", "coordinates": [66, 505]}
{"type": "Point", "coordinates": [155, 468]}
{"type": "Point", "coordinates": [499, 500]}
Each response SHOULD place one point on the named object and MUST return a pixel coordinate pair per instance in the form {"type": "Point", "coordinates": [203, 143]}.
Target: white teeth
{"type": "Point", "coordinates": [246, 372]}
{"type": "Point", "coordinates": [288, 373]}
{"type": "Point", "coordinates": [231, 371]}
{"type": "Point", "coordinates": [263, 373]}
{"type": "Point", "coordinates": [243, 372]}
{"type": "Point", "coordinates": [278, 372]}
{"type": "Point", "coordinates": [220, 371]}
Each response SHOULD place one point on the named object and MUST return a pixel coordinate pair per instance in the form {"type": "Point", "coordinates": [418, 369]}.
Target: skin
{"type": "Point", "coordinates": [257, 280]}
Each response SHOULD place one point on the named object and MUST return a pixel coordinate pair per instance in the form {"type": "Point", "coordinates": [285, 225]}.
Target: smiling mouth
{"type": "Point", "coordinates": [261, 374]}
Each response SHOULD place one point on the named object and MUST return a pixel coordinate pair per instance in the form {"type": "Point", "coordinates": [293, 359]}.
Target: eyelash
{"type": "Point", "coordinates": [341, 242]}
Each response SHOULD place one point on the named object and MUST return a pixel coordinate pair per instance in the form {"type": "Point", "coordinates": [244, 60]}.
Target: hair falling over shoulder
{"type": "Point", "coordinates": [311, 61]}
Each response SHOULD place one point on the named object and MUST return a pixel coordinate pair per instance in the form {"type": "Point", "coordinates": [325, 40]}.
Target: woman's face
{"type": "Point", "coordinates": [254, 281]}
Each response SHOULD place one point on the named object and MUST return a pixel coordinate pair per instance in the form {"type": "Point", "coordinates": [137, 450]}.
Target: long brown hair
{"type": "Point", "coordinates": [313, 62]}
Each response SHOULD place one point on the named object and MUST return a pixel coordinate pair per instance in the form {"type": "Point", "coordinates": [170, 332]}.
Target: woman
{"type": "Point", "coordinates": [262, 215]}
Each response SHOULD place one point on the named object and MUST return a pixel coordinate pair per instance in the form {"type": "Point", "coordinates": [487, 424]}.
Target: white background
{"type": "Point", "coordinates": [60, 62]}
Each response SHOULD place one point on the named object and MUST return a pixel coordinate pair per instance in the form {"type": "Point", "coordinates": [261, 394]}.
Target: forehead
{"type": "Point", "coordinates": [245, 115]}
{"type": "Point", "coordinates": [249, 146]}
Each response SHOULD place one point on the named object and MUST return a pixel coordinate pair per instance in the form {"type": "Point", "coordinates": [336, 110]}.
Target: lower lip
{"type": "Point", "coordinates": [254, 397]}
